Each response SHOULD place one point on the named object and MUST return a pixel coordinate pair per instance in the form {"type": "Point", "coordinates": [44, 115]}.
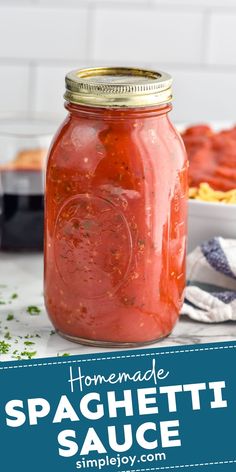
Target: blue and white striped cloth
{"type": "Point", "coordinates": [211, 288]}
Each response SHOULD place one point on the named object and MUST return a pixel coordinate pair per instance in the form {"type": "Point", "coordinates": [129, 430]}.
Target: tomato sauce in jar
{"type": "Point", "coordinates": [115, 213]}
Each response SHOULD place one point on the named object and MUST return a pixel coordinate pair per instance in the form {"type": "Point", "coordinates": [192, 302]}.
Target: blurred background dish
{"type": "Point", "coordinates": [208, 219]}
{"type": "Point", "coordinates": [212, 161]}
{"type": "Point", "coordinates": [24, 143]}
{"type": "Point", "coordinates": [153, 35]}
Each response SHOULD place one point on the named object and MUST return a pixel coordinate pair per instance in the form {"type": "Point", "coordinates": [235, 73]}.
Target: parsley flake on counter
{"type": "Point", "coordinates": [7, 335]}
{"type": "Point", "coordinates": [29, 354]}
{"type": "Point", "coordinates": [10, 317]}
{"type": "Point", "coordinates": [63, 355]}
{"type": "Point", "coordinates": [52, 332]}
{"type": "Point", "coordinates": [2, 302]}
{"type": "Point", "coordinates": [14, 296]}
{"type": "Point", "coordinates": [28, 343]}
{"type": "Point", "coordinates": [30, 336]}
{"type": "Point", "coordinates": [4, 347]}
{"type": "Point", "coordinates": [18, 357]}
{"type": "Point", "coordinates": [33, 310]}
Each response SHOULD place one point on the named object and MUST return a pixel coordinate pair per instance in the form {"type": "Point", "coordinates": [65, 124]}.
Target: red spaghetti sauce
{"type": "Point", "coordinates": [212, 157]}
{"type": "Point", "coordinates": [115, 228]}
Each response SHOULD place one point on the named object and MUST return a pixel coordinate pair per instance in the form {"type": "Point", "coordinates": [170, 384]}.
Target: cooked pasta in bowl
{"type": "Point", "coordinates": [206, 193]}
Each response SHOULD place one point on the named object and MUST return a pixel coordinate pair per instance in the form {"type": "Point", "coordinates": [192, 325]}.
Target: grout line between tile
{"type": "Point", "coordinates": [178, 67]}
{"type": "Point", "coordinates": [32, 87]}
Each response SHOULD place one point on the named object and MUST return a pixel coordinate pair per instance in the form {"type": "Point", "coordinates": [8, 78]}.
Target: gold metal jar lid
{"type": "Point", "coordinates": [118, 87]}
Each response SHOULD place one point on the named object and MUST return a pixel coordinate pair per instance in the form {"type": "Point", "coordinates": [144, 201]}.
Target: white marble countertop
{"type": "Point", "coordinates": [23, 335]}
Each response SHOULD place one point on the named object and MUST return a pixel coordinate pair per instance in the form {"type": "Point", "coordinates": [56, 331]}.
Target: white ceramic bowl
{"type": "Point", "coordinates": [209, 219]}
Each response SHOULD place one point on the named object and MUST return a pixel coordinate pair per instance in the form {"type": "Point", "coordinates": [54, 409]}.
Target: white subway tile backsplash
{"type": "Point", "coordinates": [199, 96]}
{"type": "Point", "coordinates": [50, 87]}
{"type": "Point", "coordinates": [43, 33]}
{"type": "Point", "coordinates": [222, 39]}
{"type": "Point", "coordinates": [147, 35]}
{"type": "Point", "coordinates": [40, 40]}
{"type": "Point", "coordinates": [14, 88]}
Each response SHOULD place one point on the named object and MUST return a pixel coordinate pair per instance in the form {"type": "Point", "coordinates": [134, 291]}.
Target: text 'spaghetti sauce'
{"type": "Point", "coordinates": [115, 216]}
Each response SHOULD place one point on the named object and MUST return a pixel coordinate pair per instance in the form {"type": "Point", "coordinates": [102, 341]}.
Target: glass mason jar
{"type": "Point", "coordinates": [116, 194]}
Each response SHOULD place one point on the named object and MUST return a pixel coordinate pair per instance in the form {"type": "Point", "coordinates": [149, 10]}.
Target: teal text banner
{"type": "Point", "coordinates": [164, 409]}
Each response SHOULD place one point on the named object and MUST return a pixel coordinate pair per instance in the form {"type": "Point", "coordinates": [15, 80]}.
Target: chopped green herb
{"type": "Point", "coordinates": [128, 301]}
{"type": "Point", "coordinates": [29, 354]}
{"type": "Point", "coordinates": [141, 242]}
{"type": "Point", "coordinates": [2, 302]}
{"type": "Point", "coordinates": [28, 343]}
{"type": "Point", "coordinates": [10, 317]}
{"type": "Point", "coordinates": [7, 335]}
{"type": "Point", "coordinates": [30, 336]}
{"type": "Point", "coordinates": [63, 355]}
{"type": "Point", "coordinates": [33, 310]}
{"type": "Point", "coordinates": [4, 347]}
{"type": "Point", "coordinates": [141, 245]}
{"type": "Point", "coordinates": [52, 332]}
{"type": "Point", "coordinates": [14, 296]}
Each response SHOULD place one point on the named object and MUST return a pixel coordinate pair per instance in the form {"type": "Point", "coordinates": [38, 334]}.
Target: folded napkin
{"type": "Point", "coordinates": [211, 282]}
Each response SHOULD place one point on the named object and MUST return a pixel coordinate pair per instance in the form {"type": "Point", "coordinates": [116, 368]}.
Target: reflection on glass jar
{"type": "Point", "coordinates": [116, 193]}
